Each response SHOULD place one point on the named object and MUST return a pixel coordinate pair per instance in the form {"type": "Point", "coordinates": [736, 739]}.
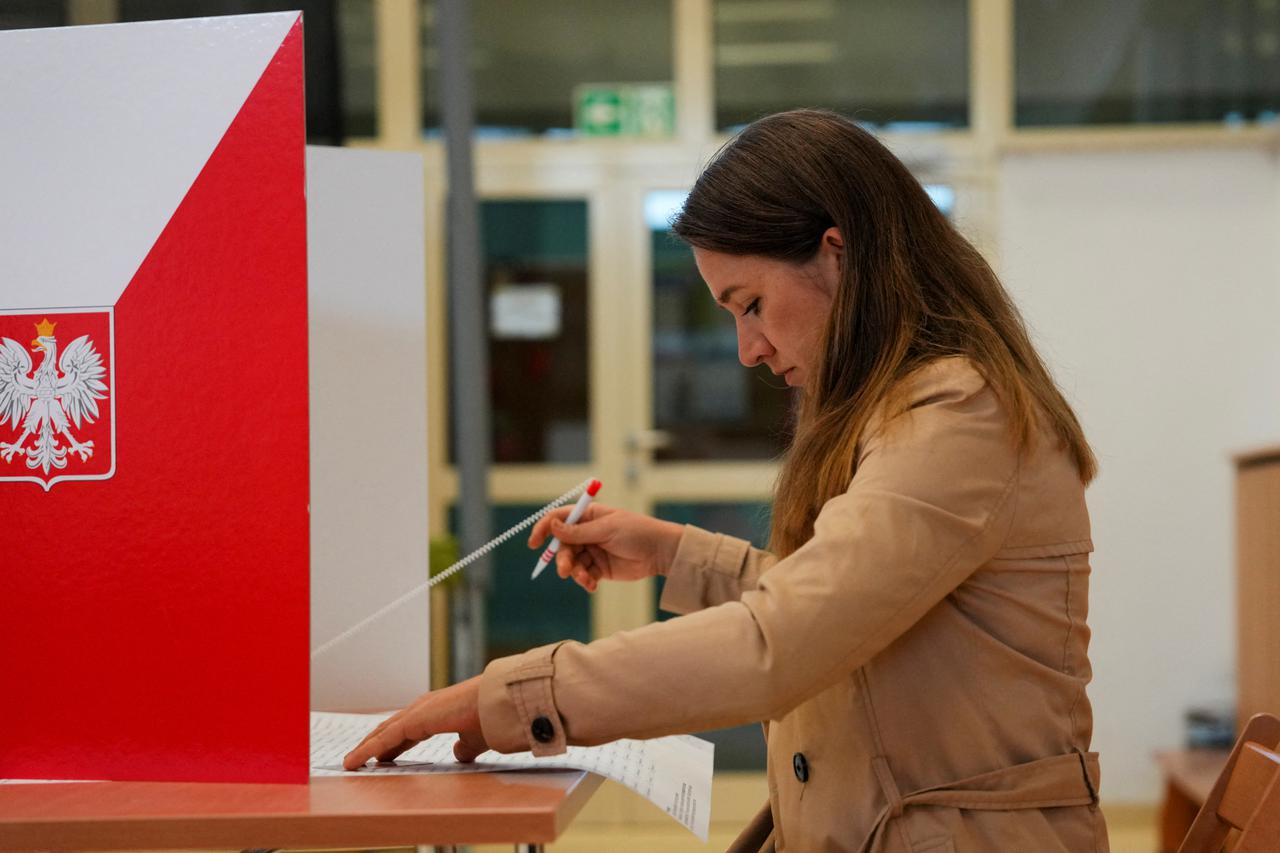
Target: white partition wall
{"type": "Point", "coordinates": [368, 424]}
{"type": "Point", "coordinates": [1151, 280]}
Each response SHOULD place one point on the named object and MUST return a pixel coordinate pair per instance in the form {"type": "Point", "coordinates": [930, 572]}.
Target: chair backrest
{"type": "Point", "coordinates": [1246, 796]}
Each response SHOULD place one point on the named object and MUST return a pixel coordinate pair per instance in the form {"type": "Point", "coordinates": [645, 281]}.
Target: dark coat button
{"type": "Point", "coordinates": [801, 766]}
{"type": "Point", "coordinates": [543, 731]}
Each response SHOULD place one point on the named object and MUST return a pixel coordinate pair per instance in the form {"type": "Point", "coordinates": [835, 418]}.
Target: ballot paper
{"type": "Point", "coordinates": [673, 773]}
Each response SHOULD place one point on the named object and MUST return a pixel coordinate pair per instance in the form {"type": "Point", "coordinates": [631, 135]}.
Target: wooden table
{"type": "Point", "coordinates": [526, 808]}
{"type": "Point", "coordinates": [1189, 776]}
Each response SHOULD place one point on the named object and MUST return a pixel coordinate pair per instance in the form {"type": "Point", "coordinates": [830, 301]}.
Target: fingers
{"type": "Point", "coordinates": [377, 730]}
{"type": "Point", "coordinates": [599, 559]}
{"type": "Point", "coordinates": [394, 752]}
{"type": "Point", "coordinates": [547, 526]}
{"type": "Point", "coordinates": [541, 531]}
{"type": "Point", "coordinates": [381, 741]}
{"type": "Point", "coordinates": [450, 709]}
{"type": "Point", "coordinates": [584, 578]}
{"type": "Point", "coordinates": [469, 747]}
{"type": "Point", "coordinates": [583, 533]}
{"type": "Point", "coordinates": [565, 561]}
{"type": "Point", "coordinates": [542, 528]}
{"type": "Point", "coordinates": [583, 565]}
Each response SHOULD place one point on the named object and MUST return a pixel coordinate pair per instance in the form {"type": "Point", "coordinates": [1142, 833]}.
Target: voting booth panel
{"type": "Point", "coordinates": [153, 402]}
{"type": "Point", "coordinates": [365, 228]}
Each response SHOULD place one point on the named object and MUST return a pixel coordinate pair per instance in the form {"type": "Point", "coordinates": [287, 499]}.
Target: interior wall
{"type": "Point", "coordinates": [1151, 281]}
{"type": "Point", "coordinates": [368, 357]}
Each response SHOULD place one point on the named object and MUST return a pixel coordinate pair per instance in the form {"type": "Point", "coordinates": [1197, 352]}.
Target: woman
{"type": "Point", "coordinates": [916, 639]}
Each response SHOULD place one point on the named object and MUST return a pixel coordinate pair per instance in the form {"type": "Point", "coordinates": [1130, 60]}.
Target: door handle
{"type": "Point", "coordinates": [648, 440]}
{"type": "Point", "coordinates": [644, 441]}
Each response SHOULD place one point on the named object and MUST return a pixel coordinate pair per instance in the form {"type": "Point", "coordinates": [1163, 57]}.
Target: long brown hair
{"type": "Point", "coordinates": [911, 290]}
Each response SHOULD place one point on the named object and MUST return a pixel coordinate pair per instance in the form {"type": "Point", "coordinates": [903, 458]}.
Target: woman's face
{"type": "Point", "coordinates": [780, 308]}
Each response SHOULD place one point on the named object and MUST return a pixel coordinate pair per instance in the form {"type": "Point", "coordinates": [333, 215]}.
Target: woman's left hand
{"type": "Point", "coordinates": [451, 709]}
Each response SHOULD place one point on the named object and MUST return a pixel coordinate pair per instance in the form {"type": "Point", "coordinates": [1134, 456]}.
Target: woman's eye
{"type": "Point", "coordinates": [753, 308]}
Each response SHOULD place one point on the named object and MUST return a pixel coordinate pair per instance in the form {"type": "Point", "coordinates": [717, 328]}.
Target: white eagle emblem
{"type": "Point", "coordinates": [62, 392]}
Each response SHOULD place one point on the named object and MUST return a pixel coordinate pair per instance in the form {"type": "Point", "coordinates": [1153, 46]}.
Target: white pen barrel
{"type": "Point", "coordinates": [578, 509]}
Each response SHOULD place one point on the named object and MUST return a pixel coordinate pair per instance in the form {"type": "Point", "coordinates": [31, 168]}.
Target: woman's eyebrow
{"type": "Point", "coordinates": [728, 292]}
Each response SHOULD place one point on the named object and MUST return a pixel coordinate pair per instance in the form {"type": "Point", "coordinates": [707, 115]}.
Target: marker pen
{"type": "Point", "coordinates": [578, 509]}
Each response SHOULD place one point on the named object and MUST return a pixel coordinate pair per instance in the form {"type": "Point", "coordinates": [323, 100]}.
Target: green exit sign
{"type": "Point", "coordinates": [624, 109]}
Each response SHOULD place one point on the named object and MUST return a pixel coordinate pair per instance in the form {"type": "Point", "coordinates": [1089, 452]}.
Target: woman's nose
{"type": "Point", "coordinates": [753, 348]}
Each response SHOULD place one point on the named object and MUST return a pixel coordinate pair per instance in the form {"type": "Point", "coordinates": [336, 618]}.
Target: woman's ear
{"type": "Point", "coordinates": [831, 258]}
{"type": "Point", "coordinates": [832, 239]}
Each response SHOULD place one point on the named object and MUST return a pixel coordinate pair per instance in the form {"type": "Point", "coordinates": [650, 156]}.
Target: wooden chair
{"type": "Point", "coordinates": [1243, 809]}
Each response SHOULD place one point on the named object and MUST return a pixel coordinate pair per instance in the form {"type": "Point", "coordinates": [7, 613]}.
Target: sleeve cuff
{"type": "Point", "coordinates": [517, 707]}
{"type": "Point", "coordinates": [705, 571]}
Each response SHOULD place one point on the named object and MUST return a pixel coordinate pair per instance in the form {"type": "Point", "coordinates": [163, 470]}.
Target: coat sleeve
{"type": "Point", "coordinates": [930, 503]}
{"type": "Point", "coordinates": [711, 569]}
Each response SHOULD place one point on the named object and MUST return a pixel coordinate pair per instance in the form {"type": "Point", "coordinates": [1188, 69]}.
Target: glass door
{"type": "Point", "coordinates": [705, 452]}
{"type": "Point", "coordinates": [538, 300]}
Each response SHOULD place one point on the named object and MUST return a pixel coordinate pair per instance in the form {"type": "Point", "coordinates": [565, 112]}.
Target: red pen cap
{"type": "Point", "coordinates": [593, 488]}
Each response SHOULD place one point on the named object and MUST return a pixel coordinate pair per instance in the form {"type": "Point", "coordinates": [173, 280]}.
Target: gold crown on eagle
{"type": "Point", "coordinates": [44, 329]}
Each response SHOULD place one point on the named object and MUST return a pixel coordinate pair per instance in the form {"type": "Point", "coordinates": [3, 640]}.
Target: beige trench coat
{"type": "Point", "coordinates": [922, 660]}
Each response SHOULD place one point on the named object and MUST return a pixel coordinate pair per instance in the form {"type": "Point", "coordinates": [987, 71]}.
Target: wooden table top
{"type": "Point", "coordinates": [1193, 771]}
{"type": "Point", "coordinates": [532, 807]}
{"type": "Point", "coordinates": [1257, 455]}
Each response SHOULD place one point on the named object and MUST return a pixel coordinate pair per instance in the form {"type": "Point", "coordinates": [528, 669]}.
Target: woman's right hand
{"type": "Point", "coordinates": [608, 543]}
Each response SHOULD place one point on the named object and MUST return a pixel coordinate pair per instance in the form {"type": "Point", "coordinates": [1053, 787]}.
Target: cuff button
{"type": "Point", "coordinates": [542, 730]}
{"type": "Point", "coordinates": [800, 765]}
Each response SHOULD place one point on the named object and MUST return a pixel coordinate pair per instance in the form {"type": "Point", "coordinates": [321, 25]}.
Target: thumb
{"type": "Point", "coordinates": [469, 747]}
{"type": "Point", "coordinates": [582, 533]}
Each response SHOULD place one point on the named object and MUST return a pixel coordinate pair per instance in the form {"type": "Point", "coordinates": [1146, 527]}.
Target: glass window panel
{"type": "Point", "coordinates": [943, 197]}
{"type": "Point", "coordinates": [713, 406]}
{"type": "Point", "coordinates": [535, 269]}
{"type": "Point", "coordinates": [745, 520]}
{"type": "Point", "coordinates": [528, 55]}
{"type": "Point", "coordinates": [358, 65]}
{"type": "Point", "coordinates": [519, 613]}
{"type": "Point", "coordinates": [26, 14]}
{"type": "Point", "coordinates": [742, 747]}
{"type": "Point", "coordinates": [901, 65]}
{"type": "Point", "coordinates": [327, 46]}
{"type": "Point", "coordinates": [1127, 61]}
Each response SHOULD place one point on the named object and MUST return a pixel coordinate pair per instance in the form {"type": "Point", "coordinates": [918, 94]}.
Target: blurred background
{"type": "Point", "coordinates": [1116, 160]}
